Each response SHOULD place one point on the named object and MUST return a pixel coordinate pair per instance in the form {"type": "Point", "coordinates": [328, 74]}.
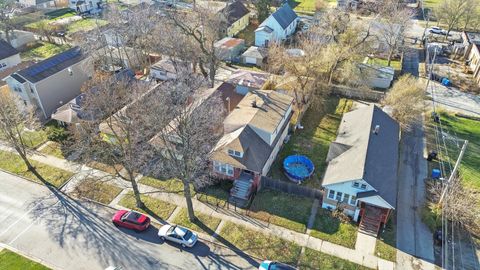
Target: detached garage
{"type": "Point", "coordinates": [254, 56]}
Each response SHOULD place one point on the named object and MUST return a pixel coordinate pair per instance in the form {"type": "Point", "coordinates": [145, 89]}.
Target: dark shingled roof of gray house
{"type": "Point", "coordinates": [52, 65]}
{"type": "Point", "coordinates": [235, 11]}
{"type": "Point", "coordinates": [359, 153]}
{"type": "Point", "coordinates": [6, 50]}
{"type": "Point", "coordinates": [285, 16]}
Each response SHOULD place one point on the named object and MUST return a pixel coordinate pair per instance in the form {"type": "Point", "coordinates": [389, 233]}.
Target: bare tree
{"type": "Point", "coordinates": [394, 18]}
{"type": "Point", "coordinates": [12, 123]}
{"type": "Point", "coordinates": [124, 133]}
{"type": "Point", "coordinates": [203, 26]}
{"type": "Point", "coordinates": [450, 12]}
{"type": "Point", "coordinates": [406, 98]}
{"type": "Point", "coordinates": [6, 24]}
{"type": "Point", "coordinates": [186, 141]}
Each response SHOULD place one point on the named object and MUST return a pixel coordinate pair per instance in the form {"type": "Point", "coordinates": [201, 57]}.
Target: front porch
{"type": "Point", "coordinates": [371, 218]}
{"type": "Point", "coordinates": [243, 190]}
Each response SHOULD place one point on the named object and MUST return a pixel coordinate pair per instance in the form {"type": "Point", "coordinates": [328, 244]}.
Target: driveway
{"type": "Point", "coordinates": [452, 99]}
{"type": "Point", "coordinates": [69, 234]}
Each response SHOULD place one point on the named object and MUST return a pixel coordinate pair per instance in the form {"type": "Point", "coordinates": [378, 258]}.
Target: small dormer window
{"type": "Point", "coordinates": [356, 184]}
{"type": "Point", "coordinates": [363, 186]}
{"type": "Point", "coordinates": [235, 153]}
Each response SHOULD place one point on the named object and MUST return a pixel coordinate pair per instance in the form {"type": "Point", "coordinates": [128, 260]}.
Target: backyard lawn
{"type": "Point", "coordinates": [98, 191]}
{"type": "Point", "coordinates": [386, 243]}
{"type": "Point", "coordinates": [308, 6]}
{"type": "Point", "coordinates": [331, 229]}
{"type": "Point", "coordinates": [320, 129]}
{"type": "Point", "coordinates": [45, 50]}
{"type": "Point", "coordinates": [13, 261]}
{"type": "Point", "coordinates": [61, 13]}
{"type": "Point", "coordinates": [313, 259]}
{"type": "Point", "coordinates": [53, 149]}
{"type": "Point", "coordinates": [167, 185]}
{"type": "Point", "coordinates": [395, 64]}
{"type": "Point", "coordinates": [282, 209]}
{"type": "Point", "coordinates": [85, 25]}
{"type": "Point", "coordinates": [35, 138]}
{"type": "Point", "coordinates": [431, 3]}
{"type": "Point", "coordinates": [205, 223]}
{"type": "Point", "coordinates": [248, 34]}
{"type": "Point", "coordinates": [155, 206]}
{"type": "Point", "coordinates": [261, 245]}
{"type": "Point", "coordinates": [14, 164]}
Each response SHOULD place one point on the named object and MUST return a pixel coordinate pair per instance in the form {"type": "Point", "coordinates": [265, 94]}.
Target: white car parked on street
{"type": "Point", "coordinates": [437, 30]}
{"type": "Point", "coordinates": [178, 234]}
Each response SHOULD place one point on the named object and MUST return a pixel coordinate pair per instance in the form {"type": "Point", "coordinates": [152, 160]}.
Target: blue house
{"type": "Point", "coordinates": [278, 26]}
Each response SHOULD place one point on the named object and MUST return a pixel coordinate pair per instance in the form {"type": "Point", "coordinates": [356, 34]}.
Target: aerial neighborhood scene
{"type": "Point", "coordinates": [239, 134]}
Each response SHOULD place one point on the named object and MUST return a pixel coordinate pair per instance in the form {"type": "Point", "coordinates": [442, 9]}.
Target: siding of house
{"type": "Point", "coordinates": [474, 58]}
{"type": "Point", "coordinates": [344, 188]}
{"type": "Point", "coordinates": [10, 61]}
{"type": "Point", "coordinates": [238, 26]}
{"type": "Point", "coordinates": [275, 151]}
{"type": "Point", "coordinates": [278, 33]}
{"type": "Point", "coordinates": [61, 87]}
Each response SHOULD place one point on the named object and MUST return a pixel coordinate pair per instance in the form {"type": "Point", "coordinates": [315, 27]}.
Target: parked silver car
{"type": "Point", "coordinates": [178, 234]}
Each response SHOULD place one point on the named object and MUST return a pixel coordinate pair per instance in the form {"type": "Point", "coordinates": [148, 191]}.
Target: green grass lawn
{"type": "Point", "coordinates": [331, 229]}
{"type": "Point", "coordinates": [105, 167]}
{"type": "Point", "coordinates": [85, 25]}
{"type": "Point", "coordinates": [313, 259]}
{"type": "Point", "coordinates": [14, 164]}
{"type": "Point", "coordinates": [157, 207]}
{"type": "Point", "coordinates": [278, 208]}
{"type": "Point", "coordinates": [320, 129]}
{"type": "Point", "coordinates": [261, 245]}
{"type": "Point", "coordinates": [204, 223]}
{"type": "Point", "coordinates": [396, 64]}
{"type": "Point", "coordinates": [98, 191]}
{"type": "Point", "coordinates": [386, 243]}
{"type": "Point", "coordinates": [61, 13]}
{"type": "Point", "coordinates": [53, 149]}
{"type": "Point", "coordinates": [33, 139]}
{"type": "Point", "coordinates": [45, 50]}
{"type": "Point", "coordinates": [12, 261]}
{"type": "Point", "coordinates": [431, 3]}
{"type": "Point", "coordinates": [167, 185]}
{"type": "Point", "coordinates": [216, 194]}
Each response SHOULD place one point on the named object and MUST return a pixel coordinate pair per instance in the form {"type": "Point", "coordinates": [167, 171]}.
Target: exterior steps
{"type": "Point", "coordinates": [241, 192]}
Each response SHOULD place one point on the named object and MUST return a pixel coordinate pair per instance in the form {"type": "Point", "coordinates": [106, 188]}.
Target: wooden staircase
{"type": "Point", "coordinates": [371, 221]}
{"type": "Point", "coordinates": [241, 192]}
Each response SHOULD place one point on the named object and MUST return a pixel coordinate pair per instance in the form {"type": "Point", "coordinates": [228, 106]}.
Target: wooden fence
{"type": "Point", "coordinates": [347, 92]}
{"type": "Point", "coordinates": [290, 188]}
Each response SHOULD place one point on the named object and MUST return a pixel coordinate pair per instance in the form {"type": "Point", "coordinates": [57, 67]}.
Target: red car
{"type": "Point", "coordinates": [131, 220]}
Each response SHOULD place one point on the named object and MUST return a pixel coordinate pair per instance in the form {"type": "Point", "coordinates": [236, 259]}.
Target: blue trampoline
{"type": "Point", "coordinates": [298, 168]}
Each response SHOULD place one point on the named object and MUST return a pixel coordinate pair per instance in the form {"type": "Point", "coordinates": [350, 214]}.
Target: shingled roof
{"type": "Point", "coordinates": [52, 65]}
{"type": "Point", "coordinates": [234, 11]}
{"type": "Point", "coordinates": [6, 50]}
{"type": "Point", "coordinates": [285, 16]}
{"type": "Point", "coordinates": [361, 153]}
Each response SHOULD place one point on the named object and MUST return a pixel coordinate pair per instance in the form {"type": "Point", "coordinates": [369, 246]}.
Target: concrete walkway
{"type": "Point", "coordinates": [302, 239]}
{"type": "Point", "coordinates": [365, 243]}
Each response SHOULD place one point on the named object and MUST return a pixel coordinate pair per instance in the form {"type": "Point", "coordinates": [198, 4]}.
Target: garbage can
{"type": "Point", "coordinates": [436, 174]}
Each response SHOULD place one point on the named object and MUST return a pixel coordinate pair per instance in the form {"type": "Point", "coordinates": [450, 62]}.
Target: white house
{"type": "Point", "coordinates": [37, 3]}
{"type": "Point", "coordinates": [49, 84]}
{"type": "Point", "coordinates": [278, 26]}
{"type": "Point", "coordinates": [361, 177]}
{"type": "Point", "coordinates": [83, 6]}
{"type": "Point", "coordinates": [19, 38]}
{"type": "Point", "coordinates": [9, 56]}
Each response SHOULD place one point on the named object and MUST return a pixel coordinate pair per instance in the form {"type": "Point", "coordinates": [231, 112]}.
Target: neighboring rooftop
{"type": "Point", "coordinates": [229, 42]}
{"type": "Point", "coordinates": [234, 11]}
{"type": "Point", "coordinates": [255, 52]}
{"type": "Point", "coordinates": [169, 65]}
{"type": "Point", "coordinates": [285, 15]}
{"type": "Point", "coordinates": [473, 37]}
{"type": "Point", "coordinates": [52, 65]}
{"type": "Point", "coordinates": [361, 153]}
{"type": "Point", "coordinates": [248, 78]}
{"type": "Point", "coordinates": [6, 50]}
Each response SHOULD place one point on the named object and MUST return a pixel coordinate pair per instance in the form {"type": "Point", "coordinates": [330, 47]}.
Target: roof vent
{"type": "Point", "coordinates": [377, 129]}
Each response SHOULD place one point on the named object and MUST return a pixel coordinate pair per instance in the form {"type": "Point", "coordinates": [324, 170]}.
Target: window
{"type": "Point", "coordinates": [331, 194]}
{"type": "Point", "coordinates": [235, 153]}
{"type": "Point", "coordinates": [17, 89]}
{"type": "Point", "coordinates": [363, 186]}
{"type": "Point", "coordinates": [353, 200]}
{"type": "Point", "coordinates": [226, 169]}
{"type": "Point", "coordinates": [25, 102]}
{"type": "Point", "coordinates": [339, 196]}
{"type": "Point", "coordinates": [346, 197]}
{"type": "Point", "coordinates": [356, 184]}
{"type": "Point", "coordinates": [31, 90]}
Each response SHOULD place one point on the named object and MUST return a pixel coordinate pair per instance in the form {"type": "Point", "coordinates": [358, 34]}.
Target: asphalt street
{"type": "Point", "coordinates": [70, 234]}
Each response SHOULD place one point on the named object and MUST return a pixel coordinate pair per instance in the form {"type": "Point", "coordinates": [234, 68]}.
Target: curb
{"type": "Point", "coordinates": [30, 257]}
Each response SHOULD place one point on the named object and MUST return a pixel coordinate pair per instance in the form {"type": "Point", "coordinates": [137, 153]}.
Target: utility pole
{"type": "Point", "coordinates": [454, 172]}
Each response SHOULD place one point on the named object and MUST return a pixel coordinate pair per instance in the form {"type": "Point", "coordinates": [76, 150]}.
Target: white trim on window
{"type": "Point", "coordinates": [331, 194]}
{"type": "Point", "coordinates": [353, 200]}
{"type": "Point", "coordinates": [223, 168]}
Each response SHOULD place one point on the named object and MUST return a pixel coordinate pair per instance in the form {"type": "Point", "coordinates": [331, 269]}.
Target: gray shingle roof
{"type": "Point", "coordinates": [285, 16]}
{"type": "Point", "coordinates": [371, 157]}
{"type": "Point", "coordinates": [6, 50]}
{"type": "Point", "coordinates": [234, 11]}
{"type": "Point", "coordinates": [52, 65]}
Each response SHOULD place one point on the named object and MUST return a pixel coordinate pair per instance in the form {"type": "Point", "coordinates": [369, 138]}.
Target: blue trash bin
{"type": "Point", "coordinates": [436, 174]}
{"type": "Point", "coordinates": [445, 82]}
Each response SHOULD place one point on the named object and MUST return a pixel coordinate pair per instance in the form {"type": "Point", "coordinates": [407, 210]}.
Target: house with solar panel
{"type": "Point", "coordinates": [51, 83]}
{"type": "Point", "coordinates": [277, 27]}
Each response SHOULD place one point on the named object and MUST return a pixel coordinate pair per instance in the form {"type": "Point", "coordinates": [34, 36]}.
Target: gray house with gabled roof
{"type": "Point", "coordinates": [277, 27]}
{"type": "Point", "coordinates": [361, 176]}
{"type": "Point", "coordinates": [49, 84]}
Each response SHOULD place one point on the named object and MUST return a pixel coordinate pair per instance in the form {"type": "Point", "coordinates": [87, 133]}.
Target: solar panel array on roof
{"type": "Point", "coordinates": [52, 65]}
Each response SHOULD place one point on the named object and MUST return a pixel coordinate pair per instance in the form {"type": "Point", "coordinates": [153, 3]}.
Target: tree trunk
{"type": "Point", "coordinates": [136, 192]}
{"type": "Point", "coordinates": [390, 54]}
{"type": "Point", "coordinates": [32, 169]}
{"type": "Point", "coordinates": [188, 199]}
{"type": "Point", "coordinates": [212, 73]}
